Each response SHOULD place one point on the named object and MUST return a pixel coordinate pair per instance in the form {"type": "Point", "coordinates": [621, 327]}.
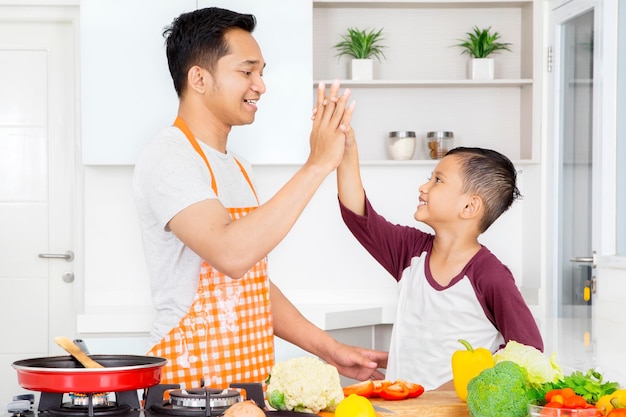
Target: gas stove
{"type": "Point", "coordinates": [181, 402]}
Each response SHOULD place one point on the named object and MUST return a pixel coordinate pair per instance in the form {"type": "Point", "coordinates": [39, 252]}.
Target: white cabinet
{"type": "Point", "coordinates": [127, 92]}
{"type": "Point", "coordinates": [422, 85]}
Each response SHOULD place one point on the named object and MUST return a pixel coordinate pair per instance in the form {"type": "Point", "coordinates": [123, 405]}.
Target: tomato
{"type": "Point", "coordinates": [557, 398]}
{"type": "Point", "coordinates": [575, 401]}
{"type": "Point", "coordinates": [567, 392]}
{"type": "Point", "coordinates": [617, 412]}
{"type": "Point", "coordinates": [559, 395]}
{"type": "Point", "coordinates": [415, 390]}
{"type": "Point", "coordinates": [364, 389]}
{"type": "Point", "coordinates": [379, 386]}
{"type": "Point", "coordinates": [395, 391]}
{"type": "Point", "coordinates": [553, 404]}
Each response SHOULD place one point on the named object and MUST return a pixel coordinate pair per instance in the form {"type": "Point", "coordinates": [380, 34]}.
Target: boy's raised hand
{"type": "Point", "coordinates": [328, 138]}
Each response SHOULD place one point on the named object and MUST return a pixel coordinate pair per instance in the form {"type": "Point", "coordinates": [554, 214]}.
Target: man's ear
{"type": "Point", "coordinates": [198, 79]}
{"type": "Point", "coordinates": [473, 207]}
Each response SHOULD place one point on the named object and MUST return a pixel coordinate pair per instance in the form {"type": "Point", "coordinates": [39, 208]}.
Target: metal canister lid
{"type": "Point", "coordinates": [440, 134]}
{"type": "Point", "coordinates": [402, 134]}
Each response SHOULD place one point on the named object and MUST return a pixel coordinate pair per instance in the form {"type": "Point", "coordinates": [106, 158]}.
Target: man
{"type": "Point", "coordinates": [205, 235]}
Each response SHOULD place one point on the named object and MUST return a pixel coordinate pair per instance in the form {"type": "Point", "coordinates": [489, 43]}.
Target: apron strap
{"type": "Point", "coordinates": [180, 123]}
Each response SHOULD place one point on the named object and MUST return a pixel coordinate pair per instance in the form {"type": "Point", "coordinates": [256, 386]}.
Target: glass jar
{"type": "Point", "coordinates": [402, 144]}
{"type": "Point", "coordinates": [439, 142]}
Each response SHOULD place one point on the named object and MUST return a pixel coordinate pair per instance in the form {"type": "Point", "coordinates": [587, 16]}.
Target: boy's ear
{"type": "Point", "coordinates": [473, 207]}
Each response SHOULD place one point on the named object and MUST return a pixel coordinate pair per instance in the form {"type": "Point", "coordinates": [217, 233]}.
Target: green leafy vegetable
{"type": "Point", "coordinates": [590, 385]}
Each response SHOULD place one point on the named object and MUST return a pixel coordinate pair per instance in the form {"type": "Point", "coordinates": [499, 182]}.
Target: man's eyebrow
{"type": "Point", "coordinates": [253, 62]}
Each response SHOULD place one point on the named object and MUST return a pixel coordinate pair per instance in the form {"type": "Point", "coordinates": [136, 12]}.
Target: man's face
{"type": "Point", "coordinates": [237, 80]}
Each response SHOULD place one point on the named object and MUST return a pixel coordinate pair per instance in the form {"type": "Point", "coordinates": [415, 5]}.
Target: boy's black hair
{"type": "Point", "coordinates": [491, 176]}
{"type": "Point", "coordinates": [197, 38]}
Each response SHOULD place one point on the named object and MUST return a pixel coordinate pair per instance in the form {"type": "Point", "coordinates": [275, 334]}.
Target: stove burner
{"type": "Point", "coordinates": [88, 405]}
{"type": "Point", "coordinates": [98, 399]}
{"type": "Point", "coordinates": [192, 402]}
{"type": "Point", "coordinates": [70, 410]}
{"type": "Point", "coordinates": [196, 397]}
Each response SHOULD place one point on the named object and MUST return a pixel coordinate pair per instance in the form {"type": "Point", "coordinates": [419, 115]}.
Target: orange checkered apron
{"type": "Point", "coordinates": [227, 334]}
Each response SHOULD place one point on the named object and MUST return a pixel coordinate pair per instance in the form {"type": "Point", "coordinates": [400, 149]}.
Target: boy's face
{"type": "Point", "coordinates": [442, 199]}
{"type": "Point", "coordinates": [237, 83]}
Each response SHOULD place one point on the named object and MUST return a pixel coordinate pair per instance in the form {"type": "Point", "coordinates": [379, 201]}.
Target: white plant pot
{"type": "Point", "coordinates": [362, 69]}
{"type": "Point", "coordinates": [481, 69]}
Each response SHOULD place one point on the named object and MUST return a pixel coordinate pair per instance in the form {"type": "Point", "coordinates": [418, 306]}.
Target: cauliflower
{"type": "Point", "coordinates": [503, 390]}
{"type": "Point", "coordinates": [304, 384]}
{"type": "Point", "coordinates": [540, 368]}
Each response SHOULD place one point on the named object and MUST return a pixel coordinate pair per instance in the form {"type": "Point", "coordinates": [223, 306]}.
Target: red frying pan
{"type": "Point", "coordinates": [64, 374]}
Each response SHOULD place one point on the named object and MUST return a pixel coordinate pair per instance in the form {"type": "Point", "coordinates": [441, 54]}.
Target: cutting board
{"type": "Point", "coordinates": [430, 403]}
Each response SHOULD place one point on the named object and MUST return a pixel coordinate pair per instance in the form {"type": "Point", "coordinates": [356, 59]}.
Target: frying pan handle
{"type": "Point", "coordinates": [82, 345]}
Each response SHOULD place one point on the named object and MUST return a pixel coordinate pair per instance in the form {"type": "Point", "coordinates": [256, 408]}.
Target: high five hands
{"type": "Point", "coordinates": [331, 121]}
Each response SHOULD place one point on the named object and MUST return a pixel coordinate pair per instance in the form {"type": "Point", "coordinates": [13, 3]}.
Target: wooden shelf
{"type": "Point", "coordinates": [431, 83]}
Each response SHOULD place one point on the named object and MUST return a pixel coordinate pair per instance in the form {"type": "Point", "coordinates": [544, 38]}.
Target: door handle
{"type": "Point", "coordinates": [582, 260]}
{"type": "Point", "coordinates": [585, 260]}
{"type": "Point", "coordinates": [68, 255]}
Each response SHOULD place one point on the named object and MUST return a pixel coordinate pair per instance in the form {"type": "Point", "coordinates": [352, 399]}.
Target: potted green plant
{"type": "Point", "coordinates": [480, 44]}
{"type": "Point", "coordinates": [362, 45]}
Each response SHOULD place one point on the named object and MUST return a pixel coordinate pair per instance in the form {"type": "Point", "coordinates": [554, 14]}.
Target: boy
{"type": "Point", "coordinates": [450, 286]}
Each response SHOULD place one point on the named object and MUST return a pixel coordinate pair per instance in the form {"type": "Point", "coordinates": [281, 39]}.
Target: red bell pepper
{"type": "Point", "coordinates": [395, 391]}
{"type": "Point", "coordinates": [364, 389]}
{"type": "Point", "coordinates": [379, 385]}
{"type": "Point", "coordinates": [415, 390]}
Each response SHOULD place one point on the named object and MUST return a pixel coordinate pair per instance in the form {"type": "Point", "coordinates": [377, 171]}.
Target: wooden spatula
{"type": "Point", "coordinates": [71, 348]}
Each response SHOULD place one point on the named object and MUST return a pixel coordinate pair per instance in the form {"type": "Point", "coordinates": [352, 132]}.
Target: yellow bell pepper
{"type": "Point", "coordinates": [467, 364]}
{"type": "Point", "coordinates": [604, 402]}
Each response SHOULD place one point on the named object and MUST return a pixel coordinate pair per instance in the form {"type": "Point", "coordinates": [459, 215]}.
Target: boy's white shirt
{"type": "Point", "coordinates": [423, 315]}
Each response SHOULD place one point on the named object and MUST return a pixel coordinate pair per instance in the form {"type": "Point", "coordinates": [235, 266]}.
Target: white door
{"type": "Point", "coordinates": [38, 185]}
{"type": "Point", "coordinates": [578, 172]}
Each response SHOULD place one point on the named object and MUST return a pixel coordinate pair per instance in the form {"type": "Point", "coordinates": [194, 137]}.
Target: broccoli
{"type": "Point", "coordinates": [503, 390]}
